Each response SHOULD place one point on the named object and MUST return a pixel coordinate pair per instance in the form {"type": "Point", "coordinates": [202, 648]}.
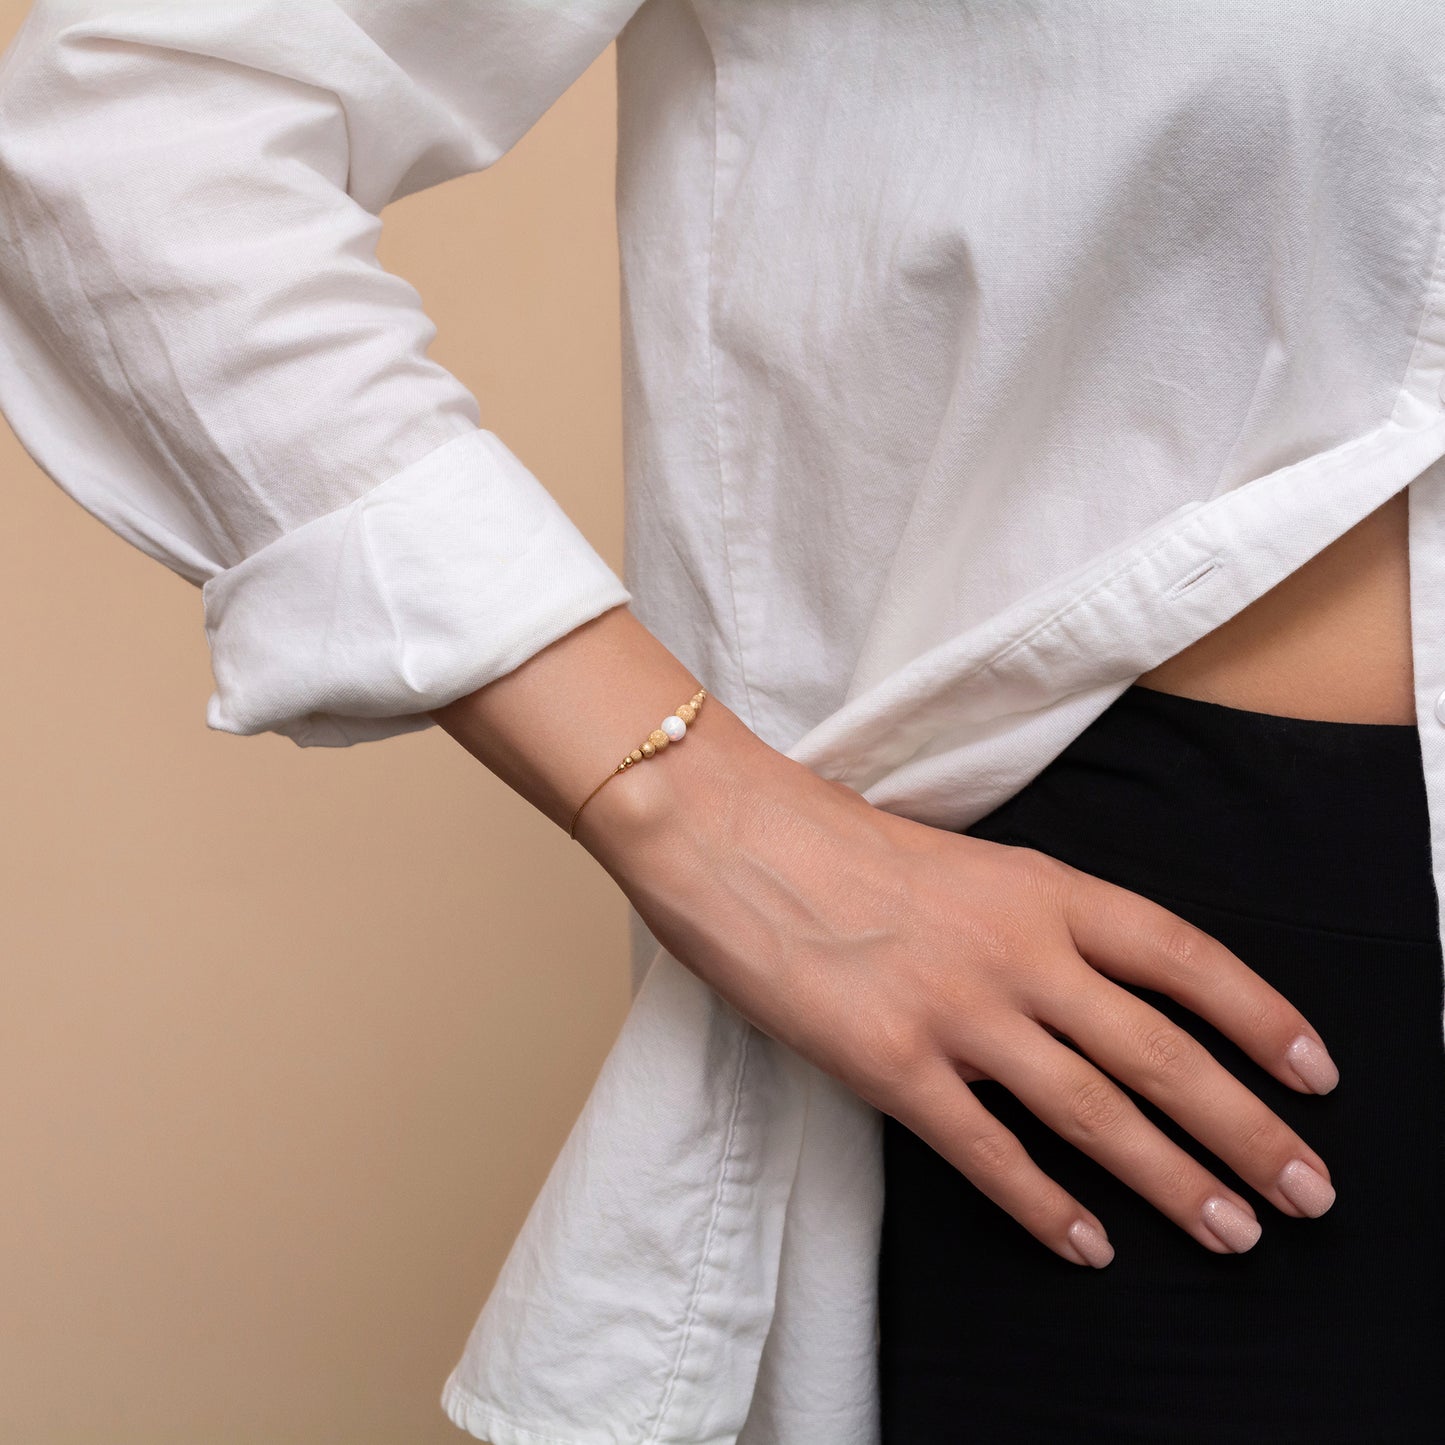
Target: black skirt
{"type": "Point", "coordinates": [1303, 846]}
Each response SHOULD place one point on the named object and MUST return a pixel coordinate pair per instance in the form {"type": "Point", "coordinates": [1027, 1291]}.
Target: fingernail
{"type": "Point", "coordinates": [1306, 1188]}
{"type": "Point", "coordinates": [1091, 1243]}
{"type": "Point", "coordinates": [1229, 1224]}
{"type": "Point", "coordinates": [1311, 1061]}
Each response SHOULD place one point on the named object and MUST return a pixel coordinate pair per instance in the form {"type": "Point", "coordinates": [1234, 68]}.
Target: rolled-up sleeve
{"type": "Point", "coordinates": [199, 345]}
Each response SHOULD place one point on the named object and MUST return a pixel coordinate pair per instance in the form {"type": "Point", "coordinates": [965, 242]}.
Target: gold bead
{"type": "Point", "coordinates": [658, 739]}
{"type": "Point", "coordinates": [647, 751]}
{"type": "Point", "coordinates": [635, 755]}
{"type": "Point", "coordinates": [687, 712]}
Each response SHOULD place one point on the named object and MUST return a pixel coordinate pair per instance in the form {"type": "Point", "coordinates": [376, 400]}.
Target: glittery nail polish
{"type": "Point", "coordinates": [1091, 1243]}
{"type": "Point", "coordinates": [1305, 1188]}
{"type": "Point", "coordinates": [1311, 1061]}
{"type": "Point", "coordinates": [1229, 1224]}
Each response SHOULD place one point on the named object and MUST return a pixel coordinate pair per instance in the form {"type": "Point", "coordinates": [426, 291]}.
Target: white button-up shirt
{"type": "Point", "coordinates": [978, 357]}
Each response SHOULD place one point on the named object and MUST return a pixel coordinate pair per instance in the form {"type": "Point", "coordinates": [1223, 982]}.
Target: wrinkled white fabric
{"type": "Point", "coordinates": [977, 358]}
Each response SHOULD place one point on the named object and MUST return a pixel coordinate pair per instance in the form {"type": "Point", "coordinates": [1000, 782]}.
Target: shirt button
{"type": "Point", "coordinates": [1440, 707]}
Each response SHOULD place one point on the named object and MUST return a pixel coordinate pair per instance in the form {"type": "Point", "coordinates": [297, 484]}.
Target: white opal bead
{"type": "Point", "coordinates": [673, 726]}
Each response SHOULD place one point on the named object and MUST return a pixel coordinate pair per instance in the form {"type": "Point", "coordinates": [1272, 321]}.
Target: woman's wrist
{"type": "Point", "coordinates": [694, 783]}
{"type": "Point", "coordinates": [559, 723]}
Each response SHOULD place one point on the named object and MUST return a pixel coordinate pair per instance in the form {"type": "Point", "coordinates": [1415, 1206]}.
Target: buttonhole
{"type": "Point", "coordinates": [1194, 578]}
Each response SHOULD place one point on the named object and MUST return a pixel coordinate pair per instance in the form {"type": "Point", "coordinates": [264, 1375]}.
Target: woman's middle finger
{"type": "Point", "coordinates": [1156, 1057]}
{"type": "Point", "coordinates": [1081, 1104]}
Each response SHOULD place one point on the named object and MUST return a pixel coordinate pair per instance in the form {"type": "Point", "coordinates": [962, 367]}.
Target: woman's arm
{"type": "Point", "coordinates": [198, 343]}
{"type": "Point", "coordinates": [906, 960]}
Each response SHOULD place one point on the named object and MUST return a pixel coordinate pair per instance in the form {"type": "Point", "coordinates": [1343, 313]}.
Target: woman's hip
{"type": "Point", "coordinates": [1303, 846]}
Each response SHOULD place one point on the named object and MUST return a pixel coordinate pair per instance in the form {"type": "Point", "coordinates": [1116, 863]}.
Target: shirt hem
{"type": "Point", "coordinates": [484, 1422]}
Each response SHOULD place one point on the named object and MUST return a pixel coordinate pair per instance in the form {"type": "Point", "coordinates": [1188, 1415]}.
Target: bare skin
{"type": "Point", "coordinates": [908, 961]}
{"type": "Point", "coordinates": [1330, 641]}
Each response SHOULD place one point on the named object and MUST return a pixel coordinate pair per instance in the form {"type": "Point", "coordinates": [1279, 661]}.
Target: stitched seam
{"type": "Point", "coordinates": [710, 308]}
{"type": "Point", "coordinates": [654, 1435]}
{"type": "Point", "coordinates": [1428, 311]}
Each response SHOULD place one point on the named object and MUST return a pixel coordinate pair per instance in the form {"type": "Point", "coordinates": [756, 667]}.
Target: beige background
{"type": "Point", "coordinates": [290, 1037]}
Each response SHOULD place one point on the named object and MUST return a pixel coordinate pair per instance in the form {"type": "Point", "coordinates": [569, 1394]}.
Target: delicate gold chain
{"type": "Point", "coordinates": [670, 730]}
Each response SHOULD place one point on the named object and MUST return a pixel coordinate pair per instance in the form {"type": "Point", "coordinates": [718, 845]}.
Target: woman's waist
{"type": "Point", "coordinates": [1303, 820]}
{"type": "Point", "coordinates": [1330, 641]}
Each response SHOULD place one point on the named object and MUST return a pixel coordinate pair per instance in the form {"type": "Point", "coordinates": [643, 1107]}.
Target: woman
{"type": "Point", "coordinates": [1032, 416]}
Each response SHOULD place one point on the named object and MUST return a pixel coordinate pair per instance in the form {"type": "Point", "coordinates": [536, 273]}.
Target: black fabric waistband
{"type": "Point", "coordinates": [1305, 820]}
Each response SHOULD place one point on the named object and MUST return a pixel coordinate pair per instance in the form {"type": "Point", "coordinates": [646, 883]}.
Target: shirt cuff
{"type": "Point", "coordinates": [444, 577]}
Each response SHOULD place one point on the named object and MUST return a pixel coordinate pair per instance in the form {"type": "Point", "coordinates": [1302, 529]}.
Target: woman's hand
{"type": "Point", "coordinates": [907, 961]}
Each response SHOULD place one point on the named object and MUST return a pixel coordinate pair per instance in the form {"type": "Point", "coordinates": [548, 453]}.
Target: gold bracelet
{"type": "Point", "coordinates": [670, 730]}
